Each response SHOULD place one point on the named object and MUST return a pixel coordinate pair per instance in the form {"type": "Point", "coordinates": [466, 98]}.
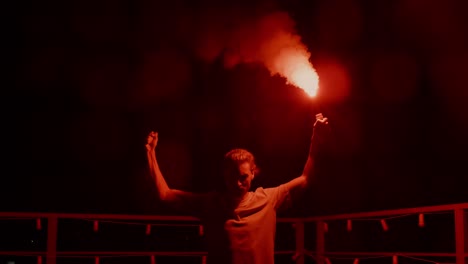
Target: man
{"type": "Point", "coordinates": [239, 224]}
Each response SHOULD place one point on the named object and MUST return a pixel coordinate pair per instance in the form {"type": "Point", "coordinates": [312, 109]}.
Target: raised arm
{"type": "Point", "coordinates": [308, 172]}
{"type": "Point", "coordinates": [177, 198]}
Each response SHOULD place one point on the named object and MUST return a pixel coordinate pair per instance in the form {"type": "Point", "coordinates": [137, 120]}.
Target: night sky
{"type": "Point", "coordinates": [92, 78]}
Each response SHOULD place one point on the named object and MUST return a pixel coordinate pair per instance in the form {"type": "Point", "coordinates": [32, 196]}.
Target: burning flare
{"type": "Point", "coordinates": [297, 70]}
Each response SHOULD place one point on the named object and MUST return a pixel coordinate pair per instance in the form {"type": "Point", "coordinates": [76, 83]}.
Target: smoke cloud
{"type": "Point", "coordinates": [264, 40]}
{"type": "Point", "coordinates": [268, 39]}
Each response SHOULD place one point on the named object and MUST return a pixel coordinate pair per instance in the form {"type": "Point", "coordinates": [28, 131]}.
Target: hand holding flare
{"type": "Point", "coordinates": [319, 134]}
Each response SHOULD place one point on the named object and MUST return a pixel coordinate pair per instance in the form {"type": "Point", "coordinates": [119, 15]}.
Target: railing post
{"type": "Point", "coordinates": [460, 235]}
{"type": "Point", "coordinates": [52, 222]}
{"type": "Point", "coordinates": [320, 241]}
{"type": "Point", "coordinates": [300, 247]}
{"type": "Point", "coordinates": [465, 226]}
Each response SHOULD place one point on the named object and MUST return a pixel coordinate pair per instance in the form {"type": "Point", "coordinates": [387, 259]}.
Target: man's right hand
{"type": "Point", "coordinates": [152, 141]}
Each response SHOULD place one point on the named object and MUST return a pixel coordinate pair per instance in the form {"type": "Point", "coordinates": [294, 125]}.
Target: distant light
{"type": "Point", "coordinates": [11, 262]}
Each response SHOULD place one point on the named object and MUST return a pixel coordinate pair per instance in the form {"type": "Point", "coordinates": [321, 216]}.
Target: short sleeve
{"type": "Point", "coordinates": [278, 195]}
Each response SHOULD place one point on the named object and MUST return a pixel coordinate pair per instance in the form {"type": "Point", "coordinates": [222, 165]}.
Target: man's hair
{"type": "Point", "coordinates": [239, 156]}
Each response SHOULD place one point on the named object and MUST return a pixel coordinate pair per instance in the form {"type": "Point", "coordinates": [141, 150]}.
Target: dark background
{"type": "Point", "coordinates": [92, 78]}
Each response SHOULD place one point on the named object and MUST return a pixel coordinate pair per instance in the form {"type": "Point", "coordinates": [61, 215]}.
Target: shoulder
{"type": "Point", "coordinates": [261, 191]}
{"type": "Point", "coordinates": [271, 191]}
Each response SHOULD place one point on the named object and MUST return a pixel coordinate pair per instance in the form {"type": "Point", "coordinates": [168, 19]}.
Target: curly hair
{"type": "Point", "coordinates": [239, 156]}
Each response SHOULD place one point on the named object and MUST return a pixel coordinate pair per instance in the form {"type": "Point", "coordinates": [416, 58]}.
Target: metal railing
{"type": "Point", "coordinates": [320, 253]}
{"type": "Point", "coordinates": [459, 212]}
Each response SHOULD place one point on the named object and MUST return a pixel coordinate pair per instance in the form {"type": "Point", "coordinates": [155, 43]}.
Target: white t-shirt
{"type": "Point", "coordinates": [242, 235]}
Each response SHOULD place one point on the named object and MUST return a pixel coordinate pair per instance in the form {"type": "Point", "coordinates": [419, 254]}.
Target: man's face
{"type": "Point", "coordinates": [238, 178]}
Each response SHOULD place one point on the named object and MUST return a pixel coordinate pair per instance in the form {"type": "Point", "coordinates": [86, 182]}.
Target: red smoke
{"type": "Point", "coordinates": [270, 40]}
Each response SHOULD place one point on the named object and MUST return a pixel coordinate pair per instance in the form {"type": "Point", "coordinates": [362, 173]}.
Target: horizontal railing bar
{"type": "Point", "coordinates": [118, 253]}
{"type": "Point", "coordinates": [131, 253]}
{"type": "Point", "coordinates": [97, 216]}
{"type": "Point", "coordinates": [23, 253]}
{"type": "Point", "coordinates": [201, 253]}
{"type": "Point", "coordinates": [33, 215]}
{"type": "Point", "coordinates": [388, 254]}
{"type": "Point", "coordinates": [415, 210]}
